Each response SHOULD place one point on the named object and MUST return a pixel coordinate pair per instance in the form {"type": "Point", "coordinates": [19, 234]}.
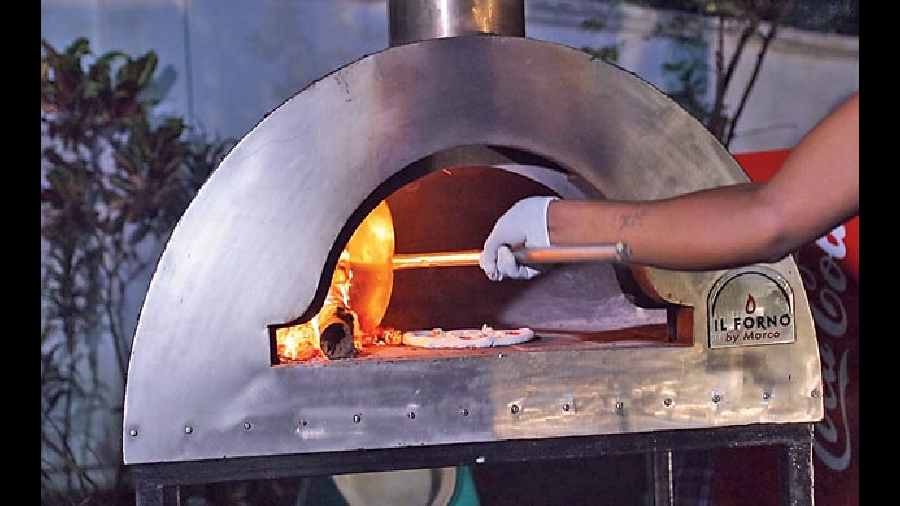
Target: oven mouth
{"type": "Point", "coordinates": [448, 202]}
{"type": "Point", "coordinates": [446, 159]}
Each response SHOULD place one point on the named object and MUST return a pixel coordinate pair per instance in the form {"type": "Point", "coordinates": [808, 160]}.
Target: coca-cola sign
{"type": "Point", "coordinates": [828, 268]}
{"type": "Point", "coordinates": [833, 302]}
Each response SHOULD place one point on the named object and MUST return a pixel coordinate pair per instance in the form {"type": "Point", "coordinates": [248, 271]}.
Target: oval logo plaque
{"type": "Point", "coordinates": [750, 306]}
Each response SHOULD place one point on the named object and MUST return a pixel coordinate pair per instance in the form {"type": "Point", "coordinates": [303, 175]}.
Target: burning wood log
{"type": "Point", "coordinates": [336, 339]}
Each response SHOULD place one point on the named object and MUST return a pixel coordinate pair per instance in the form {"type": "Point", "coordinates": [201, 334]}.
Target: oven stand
{"type": "Point", "coordinates": [159, 484]}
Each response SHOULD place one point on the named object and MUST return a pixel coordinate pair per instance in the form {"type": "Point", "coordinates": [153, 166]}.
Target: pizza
{"type": "Point", "coordinates": [485, 337]}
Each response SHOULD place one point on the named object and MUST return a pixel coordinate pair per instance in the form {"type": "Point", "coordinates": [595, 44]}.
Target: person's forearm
{"type": "Point", "coordinates": [717, 228]}
{"type": "Point", "coordinates": [816, 189]}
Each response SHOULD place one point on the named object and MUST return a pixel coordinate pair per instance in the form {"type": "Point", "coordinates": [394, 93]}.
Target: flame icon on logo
{"type": "Point", "coordinates": [751, 304]}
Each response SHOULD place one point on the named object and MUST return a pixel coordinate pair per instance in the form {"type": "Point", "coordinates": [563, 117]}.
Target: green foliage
{"type": "Point", "coordinates": [600, 21]}
{"type": "Point", "coordinates": [606, 53]}
{"type": "Point", "coordinates": [685, 30]}
{"type": "Point", "coordinates": [112, 177]}
{"type": "Point", "coordinates": [687, 70]}
{"type": "Point", "coordinates": [690, 85]}
{"type": "Point", "coordinates": [593, 24]}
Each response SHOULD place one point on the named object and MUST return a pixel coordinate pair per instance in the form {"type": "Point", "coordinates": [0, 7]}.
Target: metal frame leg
{"type": "Point", "coordinates": [660, 463]}
{"type": "Point", "coordinates": [796, 470]}
{"type": "Point", "coordinates": [149, 493]}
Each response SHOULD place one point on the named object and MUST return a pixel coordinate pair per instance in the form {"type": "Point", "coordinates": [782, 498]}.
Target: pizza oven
{"type": "Point", "coordinates": [354, 212]}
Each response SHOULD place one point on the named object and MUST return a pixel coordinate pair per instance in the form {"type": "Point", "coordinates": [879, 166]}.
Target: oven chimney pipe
{"type": "Point", "coordinates": [415, 20]}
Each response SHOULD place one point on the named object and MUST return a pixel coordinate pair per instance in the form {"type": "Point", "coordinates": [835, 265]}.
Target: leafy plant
{"type": "Point", "coordinates": [607, 14]}
{"type": "Point", "coordinates": [114, 180]}
{"type": "Point", "coordinates": [689, 70]}
{"type": "Point", "coordinates": [606, 53]}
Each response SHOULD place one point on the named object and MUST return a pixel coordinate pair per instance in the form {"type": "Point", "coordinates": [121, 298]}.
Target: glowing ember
{"type": "Point", "coordinates": [383, 336]}
{"type": "Point", "coordinates": [301, 342]}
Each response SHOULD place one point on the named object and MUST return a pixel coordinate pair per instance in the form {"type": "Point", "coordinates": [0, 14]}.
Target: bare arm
{"type": "Point", "coordinates": [815, 190]}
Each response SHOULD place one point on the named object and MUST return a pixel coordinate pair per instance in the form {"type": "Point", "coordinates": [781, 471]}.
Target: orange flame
{"type": "Point", "coordinates": [301, 342]}
{"type": "Point", "coordinates": [361, 283]}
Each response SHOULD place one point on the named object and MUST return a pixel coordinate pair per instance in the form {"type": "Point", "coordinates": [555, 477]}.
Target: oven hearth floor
{"type": "Point", "coordinates": [545, 341]}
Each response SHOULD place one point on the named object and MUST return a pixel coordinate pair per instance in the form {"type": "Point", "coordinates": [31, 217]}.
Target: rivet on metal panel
{"type": "Point", "coordinates": [411, 415]}
{"type": "Point", "coordinates": [463, 411]}
{"type": "Point", "coordinates": [133, 433]}
{"type": "Point", "coordinates": [188, 429]}
{"type": "Point", "coordinates": [567, 407]}
{"type": "Point", "coordinates": [247, 426]}
{"type": "Point", "coordinates": [668, 402]}
{"type": "Point", "coordinates": [357, 418]}
{"type": "Point", "coordinates": [815, 393]}
{"type": "Point", "coordinates": [717, 397]}
{"type": "Point", "coordinates": [767, 395]}
{"type": "Point", "coordinates": [514, 409]}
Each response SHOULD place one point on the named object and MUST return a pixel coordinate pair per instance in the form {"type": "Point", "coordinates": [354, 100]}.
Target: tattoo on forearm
{"type": "Point", "coordinates": [631, 219]}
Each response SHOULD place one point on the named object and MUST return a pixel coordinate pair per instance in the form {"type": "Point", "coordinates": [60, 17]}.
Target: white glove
{"type": "Point", "coordinates": [524, 224]}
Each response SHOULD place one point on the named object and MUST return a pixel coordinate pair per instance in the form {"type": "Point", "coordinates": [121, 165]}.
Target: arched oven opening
{"type": "Point", "coordinates": [410, 266]}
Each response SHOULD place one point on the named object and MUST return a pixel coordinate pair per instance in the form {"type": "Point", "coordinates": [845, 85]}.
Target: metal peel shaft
{"type": "Point", "coordinates": [529, 256]}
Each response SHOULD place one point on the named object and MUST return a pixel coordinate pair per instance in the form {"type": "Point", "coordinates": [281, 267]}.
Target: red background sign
{"type": "Point", "coordinates": [844, 243]}
{"type": "Point", "coordinates": [830, 269]}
